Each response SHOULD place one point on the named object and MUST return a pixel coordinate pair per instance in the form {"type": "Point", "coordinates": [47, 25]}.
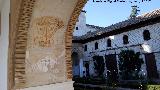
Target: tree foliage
{"type": "Point", "coordinates": [129, 64]}
{"type": "Point", "coordinates": [99, 65]}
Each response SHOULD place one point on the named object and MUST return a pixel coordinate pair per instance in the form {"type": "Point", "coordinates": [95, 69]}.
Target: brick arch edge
{"type": "Point", "coordinates": [19, 52]}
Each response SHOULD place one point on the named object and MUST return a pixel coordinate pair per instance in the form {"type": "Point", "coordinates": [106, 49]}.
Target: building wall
{"type": "Point", "coordinates": [4, 43]}
{"type": "Point", "coordinates": [81, 24]}
{"type": "Point", "coordinates": [82, 27]}
{"type": "Point", "coordinates": [135, 38]}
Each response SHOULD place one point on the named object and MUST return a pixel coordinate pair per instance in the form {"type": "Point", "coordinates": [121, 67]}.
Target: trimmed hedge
{"type": "Point", "coordinates": [153, 87]}
{"type": "Point", "coordinates": [94, 81]}
{"type": "Point", "coordinates": [133, 84]}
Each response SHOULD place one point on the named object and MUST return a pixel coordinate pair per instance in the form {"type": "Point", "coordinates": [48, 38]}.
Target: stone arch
{"type": "Point", "coordinates": [24, 17]}
{"type": "Point", "coordinates": [26, 9]}
{"type": "Point", "coordinates": [78, 50]}
{"type": "Point", "coordinates": [69, 36]}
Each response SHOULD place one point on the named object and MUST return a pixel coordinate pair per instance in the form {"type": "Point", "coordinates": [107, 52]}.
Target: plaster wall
{"type": "Point", "coordinates": [45, 55]}
{"type": "Point", "coordinates": [81, 24]}
{"type": "Point", "coordinates": [82, 27]}
{"type": "Point", "coordinates": [4, 43]}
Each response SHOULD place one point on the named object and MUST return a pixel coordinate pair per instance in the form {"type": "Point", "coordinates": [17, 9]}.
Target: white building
{"type": "Point", "coordinates": [141, 34]}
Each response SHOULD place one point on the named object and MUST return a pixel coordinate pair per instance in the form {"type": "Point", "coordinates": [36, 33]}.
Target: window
{"type": "Point", "coordinates": [76, 28]}
{"type": "Point", "coordinates": [109, 43]}
{"type": "Point", "coordinates": [146, 35]}
{"type": "Point", "coordinates": [96, 45]}
{"type": "Point", "coordinates": [85, 48]}
{"type": "Point", "coordinates": [125, 39]}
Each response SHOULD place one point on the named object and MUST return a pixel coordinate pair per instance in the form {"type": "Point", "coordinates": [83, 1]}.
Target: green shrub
{"type": "Point", "coordinates": [99, 65]}
{"type": "Point", "coordinates": [153, 87]}
{"type": "Point", "coordinates": [129, 64]}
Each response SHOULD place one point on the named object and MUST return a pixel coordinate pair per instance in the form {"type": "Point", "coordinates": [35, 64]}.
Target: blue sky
{"type": "Point", "coordinates": [105, 13]}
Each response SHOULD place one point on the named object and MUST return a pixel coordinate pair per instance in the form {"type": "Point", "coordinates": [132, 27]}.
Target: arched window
{"type": "Point", "coordinates": [85, 48]}
{"type": "Point", "coordinates": [96, 45]}
{"type": "Point", "coordinates": [125, 39]}
{"type": "Point", "coordinates": [146, 35]}
{"type": "Point", "coordinates": [109, 44]}
{"type": "Point", "coordinates": [76, 28]}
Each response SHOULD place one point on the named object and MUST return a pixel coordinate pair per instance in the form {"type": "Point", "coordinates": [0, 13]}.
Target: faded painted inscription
{"type": "Point", "coordinates": [45, 57]}
{"type": "Point", "coordinates": [47, 68]}
{"type": "Point", "coordinates": [46, 64]}
{"type": "Point", "coordinates": [43, 64]}
{"type": "Point", "coordinates": [46, 27]}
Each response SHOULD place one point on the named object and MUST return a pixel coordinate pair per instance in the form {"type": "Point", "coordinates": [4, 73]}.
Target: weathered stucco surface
{"type": "Point", "coordinates": [45, 55]}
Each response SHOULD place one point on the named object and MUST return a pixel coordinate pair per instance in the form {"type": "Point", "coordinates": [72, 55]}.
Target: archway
{"type": "Point", "coordinates": [75, 64]}
{"type": "Point", "coordinates": [29, 17]}
{"type": "Point", "coordinates": [87, 69]}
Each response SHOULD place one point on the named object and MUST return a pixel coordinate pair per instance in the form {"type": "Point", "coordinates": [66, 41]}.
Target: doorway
{"type": "Point", "coordinates": [75, 64]}
{"type": "Point", "coordinates": [151, 66]}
